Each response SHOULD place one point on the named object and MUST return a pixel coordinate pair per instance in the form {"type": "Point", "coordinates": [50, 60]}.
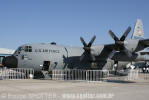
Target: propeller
{"type": "Point", "coordinates": [119, 43]}
{"type": "Point", "coordinates": [87, 49]}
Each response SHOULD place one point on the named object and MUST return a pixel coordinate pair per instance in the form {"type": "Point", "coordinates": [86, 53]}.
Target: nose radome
{"type": "Point", "coordinates": [10, 62]}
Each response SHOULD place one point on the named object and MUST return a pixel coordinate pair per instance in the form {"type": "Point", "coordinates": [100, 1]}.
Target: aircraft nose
{"type": "Point", "coordinates": [10, 62]}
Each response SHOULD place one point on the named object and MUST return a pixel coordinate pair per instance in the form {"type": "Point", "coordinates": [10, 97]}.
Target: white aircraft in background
{"type": "Point", "coordinates": [5, 52]}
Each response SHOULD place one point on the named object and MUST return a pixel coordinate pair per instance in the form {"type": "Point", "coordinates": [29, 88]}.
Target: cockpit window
{"type": "Point", "coordinates": [20, 49]}
{"type": "Point", "coordinates": [28, 49]}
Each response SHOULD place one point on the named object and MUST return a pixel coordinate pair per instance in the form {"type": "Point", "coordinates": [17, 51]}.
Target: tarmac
{"type": "Point", "coordinates": [31, 89]}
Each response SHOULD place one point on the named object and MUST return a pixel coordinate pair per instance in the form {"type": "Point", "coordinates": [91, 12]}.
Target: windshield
{"type": "Point", "coordinates": [23, 48]}
{"type": "Point", "coordinates": [19, 50]}
{"type": "Point", "coordinates": [28, 49]}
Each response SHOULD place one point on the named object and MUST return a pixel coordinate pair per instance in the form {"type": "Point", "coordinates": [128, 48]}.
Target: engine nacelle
{"type": "Point", "coordinates": [131, 45]}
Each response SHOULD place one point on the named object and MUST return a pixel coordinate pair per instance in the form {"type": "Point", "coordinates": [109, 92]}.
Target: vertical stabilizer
{"type": "Point", "coordinates": [138, 30]}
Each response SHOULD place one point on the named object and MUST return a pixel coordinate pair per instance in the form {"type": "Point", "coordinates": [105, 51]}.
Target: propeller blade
{"type": "Point", "coordinates": [92, 57]}
{"type": "Point", "coordinates": [127, 52]}
{"type": "Point", "coordinates": [87, 50]}
{"type": "Point", "coordinates": [113, 36]}
{"type": "Point", "coordinates": [83, 42]}
{"type": "Point", "coordinates": [112, 54]}
{"type": "Point", "coordinates": [91, 42]}
{"type": "Point", "coordinates": [125, 34]}
{"type": "Point", "coordinates": [82, 57]}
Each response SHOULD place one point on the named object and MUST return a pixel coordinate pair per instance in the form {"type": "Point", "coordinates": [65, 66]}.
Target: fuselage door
{"type": "Point", "coordinates": [46, 65]}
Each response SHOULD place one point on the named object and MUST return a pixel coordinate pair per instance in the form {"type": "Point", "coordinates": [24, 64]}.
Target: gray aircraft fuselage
{"type": "Point", "coordinates": [41, 55]}
{"type": "Point", "coordinates": [60, 57]}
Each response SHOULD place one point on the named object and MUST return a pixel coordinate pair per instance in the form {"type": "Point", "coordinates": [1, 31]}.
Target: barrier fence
{"type": "Point", "coordinates": [93, 75]}
{"type": "Point", "coordinates": [133, 75]}
{"type": "Point", "coordinates": [69, 74]}
{"type": "Point", "coordinates": [16, 73]}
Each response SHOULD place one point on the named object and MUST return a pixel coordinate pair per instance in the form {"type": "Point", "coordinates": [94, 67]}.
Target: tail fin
{"type": "Point", "coordinates": [138, 30]}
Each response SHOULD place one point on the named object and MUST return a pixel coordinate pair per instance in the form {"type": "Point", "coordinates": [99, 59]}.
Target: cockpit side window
{"type": "Point", "coordinates": [19, 49]}
{"type": "Point", "coordinates": [28, 49]}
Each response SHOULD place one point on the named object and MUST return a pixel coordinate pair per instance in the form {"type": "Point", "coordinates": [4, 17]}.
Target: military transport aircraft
{"type": "Point", "coordinates": [42, 56]}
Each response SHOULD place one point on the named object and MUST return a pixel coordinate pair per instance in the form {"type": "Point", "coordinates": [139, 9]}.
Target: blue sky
{"type": "Point", "coordinates": [64, 21]}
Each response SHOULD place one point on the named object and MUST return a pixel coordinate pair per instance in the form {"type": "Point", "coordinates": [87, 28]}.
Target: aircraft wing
{"type": "Point", "coordinates": [110, 46]}
{"type": "Point", "coordinates": [142, 43]}
{"type": "Point", "coordinates": [107, 52]}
